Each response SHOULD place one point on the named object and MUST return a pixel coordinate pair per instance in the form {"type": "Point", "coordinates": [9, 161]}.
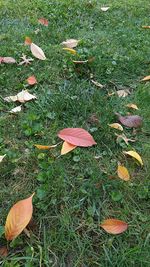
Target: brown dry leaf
{"type": "Point", "coordinates": [97, 84]}
{"type": "Point", "coordinates": [123, 173]}
{"type": "Point", "coordinates": [104, 9]}
{"type": "Point", "coordinates": [131, 121]}
{"type": "Point", "coordinates": [116, 126]}
{"type": "Point", "coordinates": [45, 147]}
{"type": "Point", "coordinates": [146, 27]}
{"type": "Point", "coordinates": [28, 41]}
{"type": "Point", "coordinates": [22, 97]}
{"type": "Point", "coordinates": [66, 148]}
{"type": "Point", "coordinates": [37, 52]}
{"type": "Point", "coordinates": [3, 252]}
{"type": "Point", "coordinates": [124, 138]}
{"type": "Point", "coordinates": [123, 92]}
{"type": "Point", "coordinates": [114, 226]}
{"type": "Point", "coordinates": [135, 155]}
{"type": "Point", "coordinates": [70, 43]}
{"type": "Point", "coordinates": [146, 78]}
{"type": "Point", "coordinates": [25, 60]}
{"type": "Point", "coordinates": [15, 110]}
{"type": "Point", "coordinates": [133, 106]}
{"type": "Point", "coordinates": [2, 157]}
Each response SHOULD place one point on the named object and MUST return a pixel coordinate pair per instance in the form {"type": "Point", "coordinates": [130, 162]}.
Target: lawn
{"type": "Point", "coordinates": [74, 193]}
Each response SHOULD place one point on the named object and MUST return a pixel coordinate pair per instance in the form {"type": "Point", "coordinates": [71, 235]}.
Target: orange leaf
{"type": "Point", "coordinates": [32, 80]}
{"type": "Point", "coordinates": [18, 218]}
{"type": "Point", "coordinates": [45, 147]}
{"type": "Point", "coordinates": [114, 226]}
{"type": "Point", "coordinates": [123, 173]}
{"type": "Point", "coordinates": [77, 137]}
{"type": "Point", "coordinates": [67, 147]}
{"type": "Point", "coordinates": [28, 41]}
{"type": "Point", "coordinates": [146, 78]}
{"type": "Point", "coordinates": [43, 21]}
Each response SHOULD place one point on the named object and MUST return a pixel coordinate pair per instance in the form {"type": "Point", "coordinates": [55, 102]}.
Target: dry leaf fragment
{"type": "Point", "coordinates": [146, 27]}
{"type": "Point", "coordinates": [3, 252]}
{"type": "Point", "coordinates": [22, 97]}
{"type": "Point", "coordinates": [123, 173]}
{"type": "Point", "coordinates": [70, 50]}
{"type": "Point", "coordinates": [15, 110]}
{"type": "Point", "coordinates": [104, 9]}
{"type": "Point", "coordinates": [25, 60]}
{"type": "Point", "coordinates": [18, 218]}
{"type": "Point", "coordinates": [116, 126]}
{"type": "Point", "coordinates": [124, 138]}
{"type": "Point", "coordinates": [45, 147]}
{"type": "Point", "coordinates": [77, 137]}
{"type": "Point", "coordinates": [70, 43]}
{"type": "Point", "coordinates": [79, 61]}
{"type": "Point", "coordinates": [135, 155]}
{"type": "Point", "coordinates": [28, 41]}
{"type": "Point", "coordinates": [37, 52]}
{"type": "Point", "coordinates": [114, 226]}
{"type": "Point", "coordinates": [146, 78]}
{"type": "Point", "coordinates": [131, 121]}
{"type": "Point", "coordinates": [66, 148]}
{"type": "Point", "coordinates": [43, 21]}
{"type": "Point", "coordinates": [32, 80]}
{"type": "Point", "coordinates": [133, 106]}
{"type": "Point", "coordinates": [9, 60]}
{"type": "Point", "coordinates": [97, 84]}
{"type": "Point", "coordinates": [2, 157]}
{"type": "Point", "coordinates": [123, 92]}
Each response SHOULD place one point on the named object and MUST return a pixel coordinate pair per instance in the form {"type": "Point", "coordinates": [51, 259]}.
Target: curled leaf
{"type": "Point", "coordinates": [41, 147]}
{"type": "Point", "coordinates": [146, 78]}
{"type": "Point", "coordinates": [22, 97]}
{"type": "Point", "coordinates": [135, 155]}
{"type": "Point", "coordinates": [18, 218]}
{"type": "Point", "coordinates": [116, 126]}
{"type": "Point", "coordinates": [97, 84]}
{"type": "Point", "coordinates": [124, 138]}
{"type": "Point", "coordinates": [133, 106]}
{"type": "Point", "coordinates": [2, 157]}
{"type": "Point", "coordinates": [79, 61]}
{"type": "Point", "coordinates": [67, 147]}
{"type": "Point", "coordinates": [123, 92]}
{"type": "Point", "coordinates": [70, 43]}
{"type": "Point", "coordinates": [123, 173]}
{"type": "Point", "coordinates": [131, 121]}
{"type": "Point", "coordinates": [37, 52]}
{"type": "Point", "coordinates": [43, 21]}
{"type": "Point", "coordinates": [32, 80]}
{"type": "Point", "coordinates": [114, 226]}
{"type": "Point", "coordinates": [28, 41]}
{"type": "Point", "coordinates": [70, 50]}
{"type": "Point", "coordinates": [77, 137]}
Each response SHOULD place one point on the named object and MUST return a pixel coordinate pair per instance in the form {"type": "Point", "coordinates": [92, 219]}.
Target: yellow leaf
{"type": "Point", "coordinates": [132, 106]}
{"type": "Point", "coordinates": [116, 126]}
{"type": "Point", "coordinates": [146, 78]}
{"type": "Point", "coordinates": [123, 173]}
{"type": "Point", "coordinates": [135, 155]}
{"type": "Point", "coordinates": [70, 50]}
{"type": "Point", "coordinates": [45, 147]}
{"type": "Point", "coordinates": [37, 51]}
{"type": "Point", "coordinates": [66, 148]}
{"type": "Point", "coordinates": [146, 27]}
{"type": "Point", "coordinates": [1, 157]}
{"type": "Point", "coordinates": [18, 218]}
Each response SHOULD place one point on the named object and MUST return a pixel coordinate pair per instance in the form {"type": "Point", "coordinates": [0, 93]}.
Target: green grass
{"type": "Point", "coordinates": [74, 193]}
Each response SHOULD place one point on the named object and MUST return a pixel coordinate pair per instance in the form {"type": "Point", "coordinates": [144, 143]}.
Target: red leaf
{"type": "Point", "coordinates": [114, 226]}
{"type": "Point", "coordinates": [32, 80]}
{"type": "Point", "coordinates": [43, 21]}
{"type": "Point", "coordinates": [77, 137]}
{"type": "Point", "coordinates": [28, 41]}
{"type": "Point", "coordinates": [131, 121]}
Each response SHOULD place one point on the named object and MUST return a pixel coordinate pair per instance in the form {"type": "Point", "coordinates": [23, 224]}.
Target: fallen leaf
{"type": "Point", "coordinates": [114, 226]}
{"type": "Point", "coordinates": [2, 157]}
{"type": "Point", "coordinates": [97, 84]}
{"type": "Point", "coordinates": [67, 147]}
{"type": "Point", "coordinates": [37, 52]}
{"type": "Point", "coordinates": [70, 50]}
{"type": "Point", "coordinates": [123, 92]}
{"type": "Point", "coordinates": [124, 138]}
{"type": "Point", "coordinates": [32, 80]}
{"type": "Point", "coordinates": [28, 41]}
{"type": "Point", "coordinates": [15, 110]}
{"type": "Point", "coordinates": [18, 218]}
{"type": "Point", "coordinates": [146, 78]}
{"type": "Point", "coordinates": [22, 97]}
{"type": "Point", "coordinates": [70, 43]}
{"type": "Point", "coordinates": [25, 60]}
{"type": "Point", "coordinates": [146, 27]}
{"type": "Point", "coordinates": [43, 21]}
{"type": "Point", "coordinates": [133, 106]}
{"type": "Point", "coordinates": [79, 61]}
{"type": "Point", "coordinates": [3, 252]}
{"type": "Point", "coordinates": [9, 60]}
{"type": "Point", "coordinates": [116, 126]}
{"type": "Point", "coordinates": [27, 232]}
{"type": "Point", "coordinates": [135, 155]}
{"type": "Point", "coordinates": [123, 173]}
{"type": "Point", "coordinates": [45, 147]}
{"type": "Point", "coordinates": [105, 8]}
{"type": "Point", "coordinates": [131, 121]}
{"type": "Point", "coordinates": [77, 137]}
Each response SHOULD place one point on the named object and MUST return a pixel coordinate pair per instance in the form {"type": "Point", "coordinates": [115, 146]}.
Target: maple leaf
{"type": "Point", "coordinates": [26, 60]}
